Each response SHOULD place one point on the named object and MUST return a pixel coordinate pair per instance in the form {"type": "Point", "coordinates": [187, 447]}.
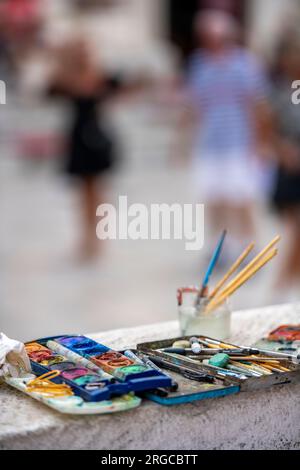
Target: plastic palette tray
{"type": "Point", "coordinates": [75, 405]}
{"type": "Point", "coordinates": [86, 362]}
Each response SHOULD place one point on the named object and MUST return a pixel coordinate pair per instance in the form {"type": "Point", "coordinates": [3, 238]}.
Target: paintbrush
{"type": "Point", "coordinates": [211, 266]}
{"type": "Point", "coordinates": [268, 360]}
{"type": "Point", "coordinates": [275, 355]}
{"type": "Point", "coordinates": [243, 274]}
{"type": "Point", "coordinates": [185, 371]}
{"type": "Point", "coordinates": [233, 268]}
{"type": "Point", "coordinates": [237, 283]}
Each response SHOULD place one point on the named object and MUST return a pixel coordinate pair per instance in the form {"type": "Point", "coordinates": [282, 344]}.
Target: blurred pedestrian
{"type": "Point", "coordinates": [286, 195]}
{"type": "Point", "coordinates": [90, 146]}
{"type": "Point", "coordinates": [227, 88]}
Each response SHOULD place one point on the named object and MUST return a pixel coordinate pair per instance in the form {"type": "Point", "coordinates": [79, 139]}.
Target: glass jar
{"type": "Point", "coordinates": [194, 321]}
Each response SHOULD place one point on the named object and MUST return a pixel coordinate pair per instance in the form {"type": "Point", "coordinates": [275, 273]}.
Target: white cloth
{"type": "Point", "coordinates": [233, 178]}
{"type": "Point", "coordinates": [13, 357]}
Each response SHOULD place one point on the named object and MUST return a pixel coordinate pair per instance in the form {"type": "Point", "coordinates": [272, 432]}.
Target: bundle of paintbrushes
{"type": "Point", "coordinates": [205, 311]}
{"type": "Point", "coordinates": [224, 290]}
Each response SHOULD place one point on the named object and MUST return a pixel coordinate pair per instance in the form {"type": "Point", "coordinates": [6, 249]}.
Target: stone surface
{"type": "Point", "coordinates": [267, 419]}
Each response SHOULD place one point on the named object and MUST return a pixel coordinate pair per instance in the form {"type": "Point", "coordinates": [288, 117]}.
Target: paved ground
{"type": "Point", "coordinates": [42, 289]}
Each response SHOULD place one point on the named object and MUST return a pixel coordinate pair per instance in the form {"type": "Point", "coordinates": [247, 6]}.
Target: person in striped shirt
{"type": "Point", "coordinates": [227, 89]}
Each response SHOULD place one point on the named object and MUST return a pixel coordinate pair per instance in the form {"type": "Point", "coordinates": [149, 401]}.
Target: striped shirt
{"type": "Point", "coordinates": [223, 92]}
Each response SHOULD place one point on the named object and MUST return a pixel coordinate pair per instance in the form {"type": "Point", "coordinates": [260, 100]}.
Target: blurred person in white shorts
{"type": "Point", "coordinates": [227, 90]}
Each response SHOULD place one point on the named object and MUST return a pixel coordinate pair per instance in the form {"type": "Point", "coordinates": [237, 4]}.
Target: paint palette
{"type": "Point", "coordinates": [101, 380]}
{"type": "Point", "coordinates": [285, 338]}
{"type": "Point", "coordinates": [89, 383]}
{"type": "Point", "coordinates": [92, 370]}
{"type": "Point", "coordinates": [285, 334]}
{"type": "Point", "coordinates": [75, 405]}
{"type": "Point", "coordinates": [126, 372]}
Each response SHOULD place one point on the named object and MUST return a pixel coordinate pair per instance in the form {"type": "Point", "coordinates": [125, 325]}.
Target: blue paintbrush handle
{"type": "Point", "coordinates": [214, 259]}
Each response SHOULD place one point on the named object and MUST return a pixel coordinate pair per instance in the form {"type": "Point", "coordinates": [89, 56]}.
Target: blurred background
{"type": "Point", "coordinates": [114, 97]}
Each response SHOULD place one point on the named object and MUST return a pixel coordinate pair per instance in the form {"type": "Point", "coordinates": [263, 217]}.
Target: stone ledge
{"type": "Point", "coordinates": [250, 420]}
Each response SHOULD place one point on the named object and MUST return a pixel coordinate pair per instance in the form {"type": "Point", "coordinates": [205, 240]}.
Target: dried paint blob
{"type": "Point", "coordinates": [69, 341]}
{"type": "Point", "coordinates": [82, 344]}
{"type": "Point", "coordinates": [30, 347]}
{"type": "Point", "coordinates": [86, 379]}
{"type": "Point", "coordinates": [42, 355]}
{"type": "Point", "coordinates": [110, 355]}
{"type": "Point", "coordinates": [63, 365]}
{"type": "Point", "coordinates": [53, 360]}
{"type": "Point", "coordinates": [123, 372]}
{"type": "Point", "coordinates": [112, 360]}
{"type": "Point", "coordinates": [73, 373]}
{"type": "Point", "coordinates": [93, 350]}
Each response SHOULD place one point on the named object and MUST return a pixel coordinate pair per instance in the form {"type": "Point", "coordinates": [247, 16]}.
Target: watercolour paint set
{"type": "Point", "coordinates": [116, 373]}
{"type": "Point", "coordinates": [76, 375]}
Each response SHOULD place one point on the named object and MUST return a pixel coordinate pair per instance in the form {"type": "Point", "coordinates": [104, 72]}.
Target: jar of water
{"type": "Point", "coordinates": [193, 319]}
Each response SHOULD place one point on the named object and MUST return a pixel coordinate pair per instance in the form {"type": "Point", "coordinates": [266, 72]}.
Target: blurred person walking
{"type": "Point", "coordinates": [286, 196]}
{"type": "Point", "coordinates": [90, 146]}
{"type": "Point", "coordinates": [227, 89]}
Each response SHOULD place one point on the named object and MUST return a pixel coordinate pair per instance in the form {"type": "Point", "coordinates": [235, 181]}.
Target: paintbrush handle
{"type": "Point", "coordinates": [233, 268]}
{"type": "Point", "coordinates": [249, 267]}
{"type": "Point", "coordinates": [219, 300]}
{"type": "Point", "coordinates": [211, 266]}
